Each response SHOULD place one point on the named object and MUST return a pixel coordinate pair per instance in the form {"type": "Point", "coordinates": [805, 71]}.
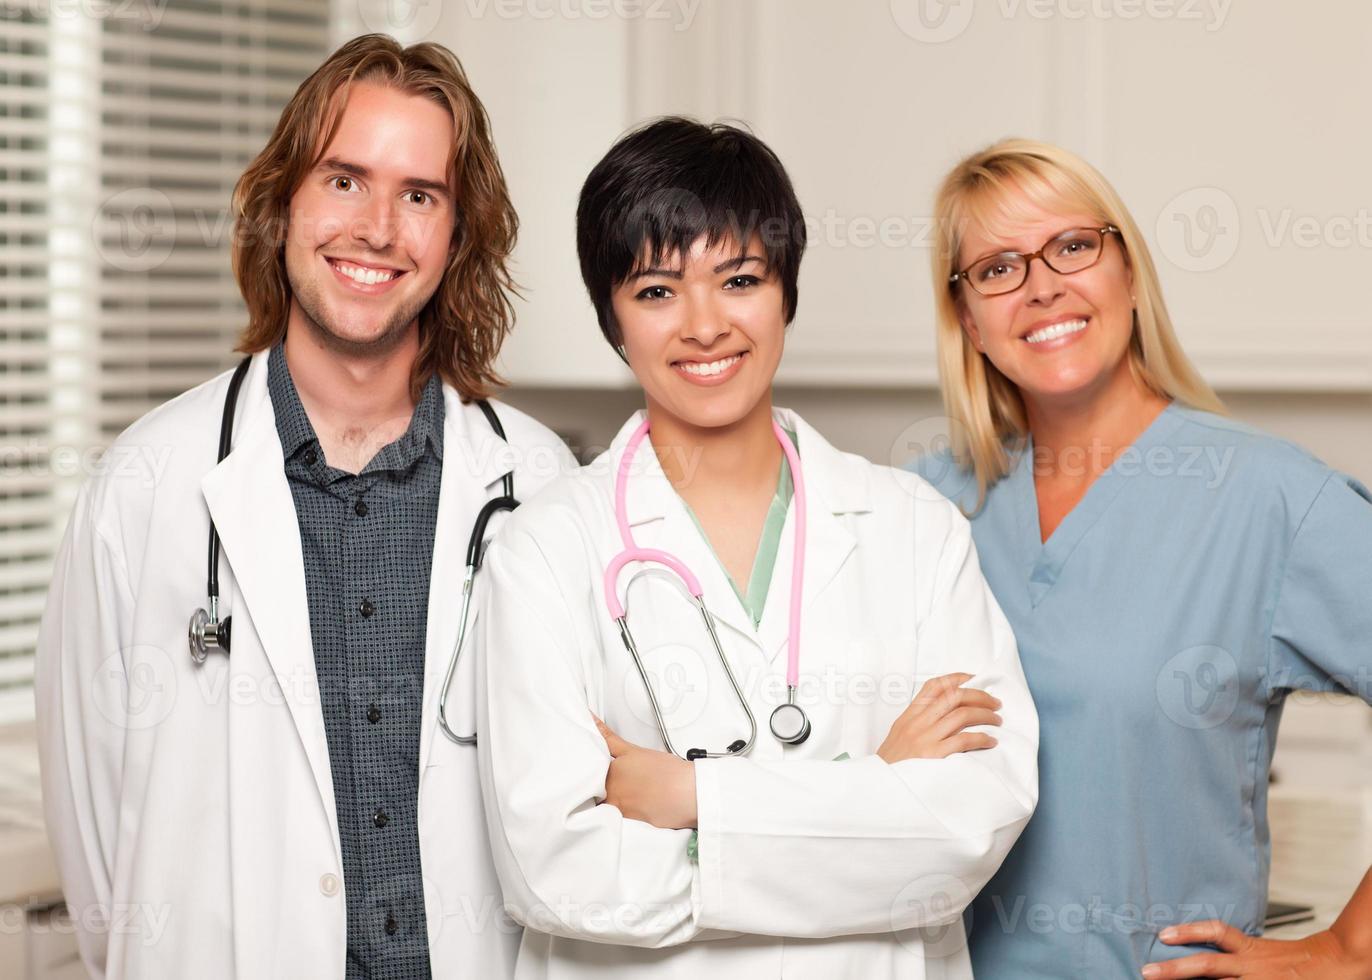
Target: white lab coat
{"type": "Point", "coordinates": [808, 867]}
{"type": "Point", "coordinates": [193, 807]}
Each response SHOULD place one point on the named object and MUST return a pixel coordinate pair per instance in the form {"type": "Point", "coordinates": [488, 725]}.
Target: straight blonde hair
{"type": "Point", "coordinates": [989, 188]}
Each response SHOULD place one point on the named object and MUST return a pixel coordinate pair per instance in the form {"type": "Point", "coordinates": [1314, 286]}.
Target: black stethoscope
{"type": "Point", "coordinates": [476, 547]}
{"type": "Point", "coordinates": [208, 632]}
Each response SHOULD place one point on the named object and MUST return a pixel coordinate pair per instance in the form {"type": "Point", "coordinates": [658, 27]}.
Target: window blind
{"type": "Point", "coordinates": [123, 127]}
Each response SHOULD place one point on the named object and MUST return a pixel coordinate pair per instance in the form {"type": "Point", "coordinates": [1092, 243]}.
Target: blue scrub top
{"type": "Point", "coordinates": [1208, 572]}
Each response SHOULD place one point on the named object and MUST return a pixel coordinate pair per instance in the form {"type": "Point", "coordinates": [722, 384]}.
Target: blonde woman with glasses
{"type": "Point", "coordinates": [1170, 574]}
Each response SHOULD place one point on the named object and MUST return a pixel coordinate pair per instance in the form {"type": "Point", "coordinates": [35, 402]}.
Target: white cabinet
{"type": "Point", "coordinates": [867, 119]}
{"type": "Point", "coordinates": [1233, 131]}
{"type": "Point", "coordinates": [1324, 744]}
{"type": "Point", "coordinates": [52, 952]}
{"type": "Point", "coordinates": [34, 943]}
{"type": "Point", "coordinates": [555, 90]}
{"type": "Point", "coordinates": [37, 946]}
{"type": "Point", "coordinates": [1240, 152]}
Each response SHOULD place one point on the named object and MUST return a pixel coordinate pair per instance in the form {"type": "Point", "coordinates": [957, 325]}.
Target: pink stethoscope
{"type": "Point", "coordinates": [788, 722]}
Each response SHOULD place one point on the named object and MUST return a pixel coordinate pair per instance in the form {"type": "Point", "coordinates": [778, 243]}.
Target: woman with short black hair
{"type": "Point", "coordinates": [780, 762]}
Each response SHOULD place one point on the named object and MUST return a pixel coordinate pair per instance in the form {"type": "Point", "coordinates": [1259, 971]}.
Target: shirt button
{"type": "Point", "coordinates": [360, 509]}
{"type": "Point", "coordinates": [373, 714]}
{"type": "Point", "coordinates": [328, 885]}
{"type": "Point", "coordinates": [311, 457]}
{"type": "Point", "coordinates": [380, 819]}
{"type": "Point", "coordinates": [366, 608]}
{"type": "Point", "coordinates": [392, 927]}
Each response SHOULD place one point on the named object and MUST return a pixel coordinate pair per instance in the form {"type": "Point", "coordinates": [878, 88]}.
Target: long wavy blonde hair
{"type": "Point", "coordinates": [465, 322]}
{"type": "Point", "coordinates": [985, 408]}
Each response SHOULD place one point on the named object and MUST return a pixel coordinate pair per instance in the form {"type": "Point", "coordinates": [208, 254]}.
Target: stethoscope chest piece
{"type": "Point", "coordinates": [207, 632]}
{"type": "Point", "coordinates": [789, 723]}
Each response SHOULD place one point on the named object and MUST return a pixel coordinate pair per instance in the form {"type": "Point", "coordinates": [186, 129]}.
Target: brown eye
{"type": "Point", "coordinates": [1001, 267]}
{"type": "Point", "coordinates": [1072, 247]}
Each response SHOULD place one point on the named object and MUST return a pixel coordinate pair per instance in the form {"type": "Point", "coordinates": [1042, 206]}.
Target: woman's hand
{"type": "Point", "coordinates": [933, 726]}
{"type": "Point", "coordinates": [645, 784]}
{"type": "Point", "coordinates": [1318, 957]}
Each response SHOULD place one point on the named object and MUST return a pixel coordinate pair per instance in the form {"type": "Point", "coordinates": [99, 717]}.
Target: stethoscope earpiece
{"type": "Point", "coordinates": [735, 748]}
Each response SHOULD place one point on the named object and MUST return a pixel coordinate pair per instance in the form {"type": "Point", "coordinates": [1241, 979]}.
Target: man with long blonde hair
{"type": "Point", "coordinates": [294, 809]}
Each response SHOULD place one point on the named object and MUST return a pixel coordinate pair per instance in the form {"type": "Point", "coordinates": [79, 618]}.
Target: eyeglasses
{"type": "Point", "coordinates": [1004, 272]}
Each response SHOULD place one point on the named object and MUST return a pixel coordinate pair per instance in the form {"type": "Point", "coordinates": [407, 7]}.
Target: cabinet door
{"type": "Point", "coordinates": [1228, 128]}
{"type": "Point", "coordinates": [554, 87]}
{"type": "Point", "coordinates": [1235, 134]}
{"type": "Point", "coordinates": [867, 110]}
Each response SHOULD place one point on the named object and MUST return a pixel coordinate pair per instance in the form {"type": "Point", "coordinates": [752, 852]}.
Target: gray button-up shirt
{"type": "Point", "coordinates": [367, 541]}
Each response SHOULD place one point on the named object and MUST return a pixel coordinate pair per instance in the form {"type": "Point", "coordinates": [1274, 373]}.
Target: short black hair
{"type": "Point", "coordinates": [664, 185]}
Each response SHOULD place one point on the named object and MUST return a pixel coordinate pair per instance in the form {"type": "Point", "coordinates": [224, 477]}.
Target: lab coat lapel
{"type": "Point", "coordinates": [684, 538]}
{"type": "Point", "coordinates": [251, 505]}
{"type": "Point", "coordinates": [474, 460]}
{"type": "Point", "coordinates": [833, 487]}
{"type": "Point", "coordinates": [659, 519]}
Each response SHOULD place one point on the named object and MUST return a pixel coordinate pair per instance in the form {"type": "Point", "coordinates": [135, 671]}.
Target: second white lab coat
{"type": "Point", "coordinates": [808, 867]}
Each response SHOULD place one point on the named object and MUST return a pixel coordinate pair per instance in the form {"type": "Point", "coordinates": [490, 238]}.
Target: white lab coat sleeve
{"type": "Point", "coordinates": [80, 691]}
{"type": "Point", "coordinates": [815, 849]}
{"type": "Point", "coordinates": [567, 866]}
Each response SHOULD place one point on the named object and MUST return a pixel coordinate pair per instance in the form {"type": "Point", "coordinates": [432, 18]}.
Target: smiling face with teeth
{"type": "Point", "coordinates": [371, 225]}
{"type": "Point", "coordinates": [704, 334]}
{"type": "Point", "coordinates": [1060, 338]}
